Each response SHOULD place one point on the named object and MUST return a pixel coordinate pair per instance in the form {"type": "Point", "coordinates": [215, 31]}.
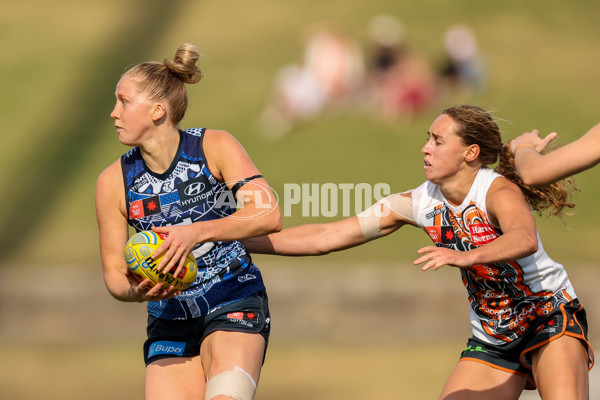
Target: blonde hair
{"type": "Point", "coordinates": [166, 81]}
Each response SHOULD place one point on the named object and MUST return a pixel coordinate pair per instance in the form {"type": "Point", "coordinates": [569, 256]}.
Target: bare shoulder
{"type": "Point", "coordinates": [218, 144]}
{"type": "Point", "coordinates": [503, 184]}
{"type": "Point", "coordinates": [504, 193]}
{"type": "Point", "coordinates": [227, 159]}
{"type": "Point", "coordinates": [504, 197]}
{"type": "Point", "coordinates": [110, 177]}
{"type": "Point", "coordinates": [110, 193]}
{"type": "Point", "coordinates": [217, 138]}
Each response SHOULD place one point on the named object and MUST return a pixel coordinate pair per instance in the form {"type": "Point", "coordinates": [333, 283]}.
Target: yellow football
{"type": "Point", "coordinates": [138, 256]}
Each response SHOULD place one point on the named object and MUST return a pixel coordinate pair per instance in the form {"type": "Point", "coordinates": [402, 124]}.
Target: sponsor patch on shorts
{"type": "Point", "coordinates": [553, 326]}
{"type": "Point", "coordinates": [247, 318]}
{"type": "Point", "coordinates": [166, 347]}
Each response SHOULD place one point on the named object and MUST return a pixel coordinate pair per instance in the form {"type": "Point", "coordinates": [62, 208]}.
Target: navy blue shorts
{"type": "Point", "coordinates": [513, 357]}
{"type": "Point", "coordinates": [182, 338]}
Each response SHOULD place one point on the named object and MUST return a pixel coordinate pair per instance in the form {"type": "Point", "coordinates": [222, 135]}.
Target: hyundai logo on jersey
{"type": "Point", "coordinates": [195, 191]}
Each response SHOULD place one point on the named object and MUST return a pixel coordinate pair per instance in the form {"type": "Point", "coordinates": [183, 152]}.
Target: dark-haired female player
{"type": "Point", "coordinates": [528, 327]}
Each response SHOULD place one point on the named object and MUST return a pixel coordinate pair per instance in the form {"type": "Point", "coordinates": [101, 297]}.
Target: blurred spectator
{"type": "Point", "coordinates": [463, 67]}
{"type": "Point", "coordinates": [328, 76]}
{"type": "Point", "coordinates": [400, 82]}
{"type": "Point", "coordinates": [336, 62]}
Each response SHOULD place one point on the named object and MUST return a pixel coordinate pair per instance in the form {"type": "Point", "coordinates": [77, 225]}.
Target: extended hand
{"type": "Point", "coordinates": [533, 140]}
{"type": "Point", "coordinates": [436, 257]}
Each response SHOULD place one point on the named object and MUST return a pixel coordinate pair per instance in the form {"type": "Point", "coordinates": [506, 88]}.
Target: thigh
{"type": "Point", "coordinates": [223, 351]}
{"type": "Point", "coordinates": [560, 369]}
{"type": "Point", "coordinates": [180, 378]}
{"type": "Point", "coordinates": [476, 380]}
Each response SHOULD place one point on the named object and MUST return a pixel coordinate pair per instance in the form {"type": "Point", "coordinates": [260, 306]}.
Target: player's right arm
{"type": "Point", "coordinates": [113, 235]}
{"type": "Point", "coordinates": [309, 240]}
{"type": "Point", "coordinates": [319, 239]}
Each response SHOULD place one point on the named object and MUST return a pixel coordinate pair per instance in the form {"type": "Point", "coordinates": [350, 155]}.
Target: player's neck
{"type": "Point", "coordinates": [455, 190]}
{"type": "Point", "coordinates": [160, 150]}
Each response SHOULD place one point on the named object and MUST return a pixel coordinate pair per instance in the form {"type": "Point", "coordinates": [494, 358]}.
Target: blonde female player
{"type": "Point", "coordinates": [528, 327]}
{"type": "Point", "coordinates": [541, 169]}
{"type": "Point", "coordinates": [208, 341]}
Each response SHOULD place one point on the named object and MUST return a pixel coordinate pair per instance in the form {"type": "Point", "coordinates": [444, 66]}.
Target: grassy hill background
{"type": "Point", "coordinates": [58, 72]}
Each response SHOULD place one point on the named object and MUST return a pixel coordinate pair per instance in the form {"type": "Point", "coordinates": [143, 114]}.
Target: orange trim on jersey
{"type": "Point", "coordinates": [437, 219]}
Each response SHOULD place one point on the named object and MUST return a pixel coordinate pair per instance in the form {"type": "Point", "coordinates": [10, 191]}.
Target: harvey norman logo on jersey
{"type": "Point", "coordinates": [482, 234]}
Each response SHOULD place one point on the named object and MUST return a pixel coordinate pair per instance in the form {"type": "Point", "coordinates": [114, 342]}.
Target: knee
{"type": "Point", "coordinates": [236, 384]}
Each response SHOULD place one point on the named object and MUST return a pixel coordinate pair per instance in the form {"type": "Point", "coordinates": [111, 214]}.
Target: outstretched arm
{"type": "Point", "coordinates": [536, 169]}
{"type": "Point", "coordinates": [309, 240]}
{"type": "Point", "coordinates": [381, 219]}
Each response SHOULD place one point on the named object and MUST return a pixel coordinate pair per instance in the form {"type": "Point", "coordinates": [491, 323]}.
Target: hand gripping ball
{"type": "Point", "coordinates": [138, 252]}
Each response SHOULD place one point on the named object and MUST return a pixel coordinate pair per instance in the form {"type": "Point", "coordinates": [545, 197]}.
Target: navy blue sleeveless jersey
{"type": "Point", "coordinates": [187, 192]}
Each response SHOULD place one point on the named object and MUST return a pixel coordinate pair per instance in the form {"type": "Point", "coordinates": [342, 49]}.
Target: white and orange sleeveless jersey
{"type": "Point", "coordinates": [507, 299]}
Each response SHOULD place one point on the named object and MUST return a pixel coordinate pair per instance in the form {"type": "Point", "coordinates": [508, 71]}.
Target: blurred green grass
{"type": "Point", "coordinates": [542, 63]}
{"type": "Point", "coordinates": [542, 60]}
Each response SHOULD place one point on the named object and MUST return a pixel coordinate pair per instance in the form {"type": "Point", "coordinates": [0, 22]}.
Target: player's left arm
{"type": "Point", "coordinates": [508, 209]}
{"type": "Point", "coordinates": [258, 214]}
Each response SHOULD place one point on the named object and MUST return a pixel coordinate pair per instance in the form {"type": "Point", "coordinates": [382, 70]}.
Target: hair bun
{"type": "Point", "coordinates": [184, 65]}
